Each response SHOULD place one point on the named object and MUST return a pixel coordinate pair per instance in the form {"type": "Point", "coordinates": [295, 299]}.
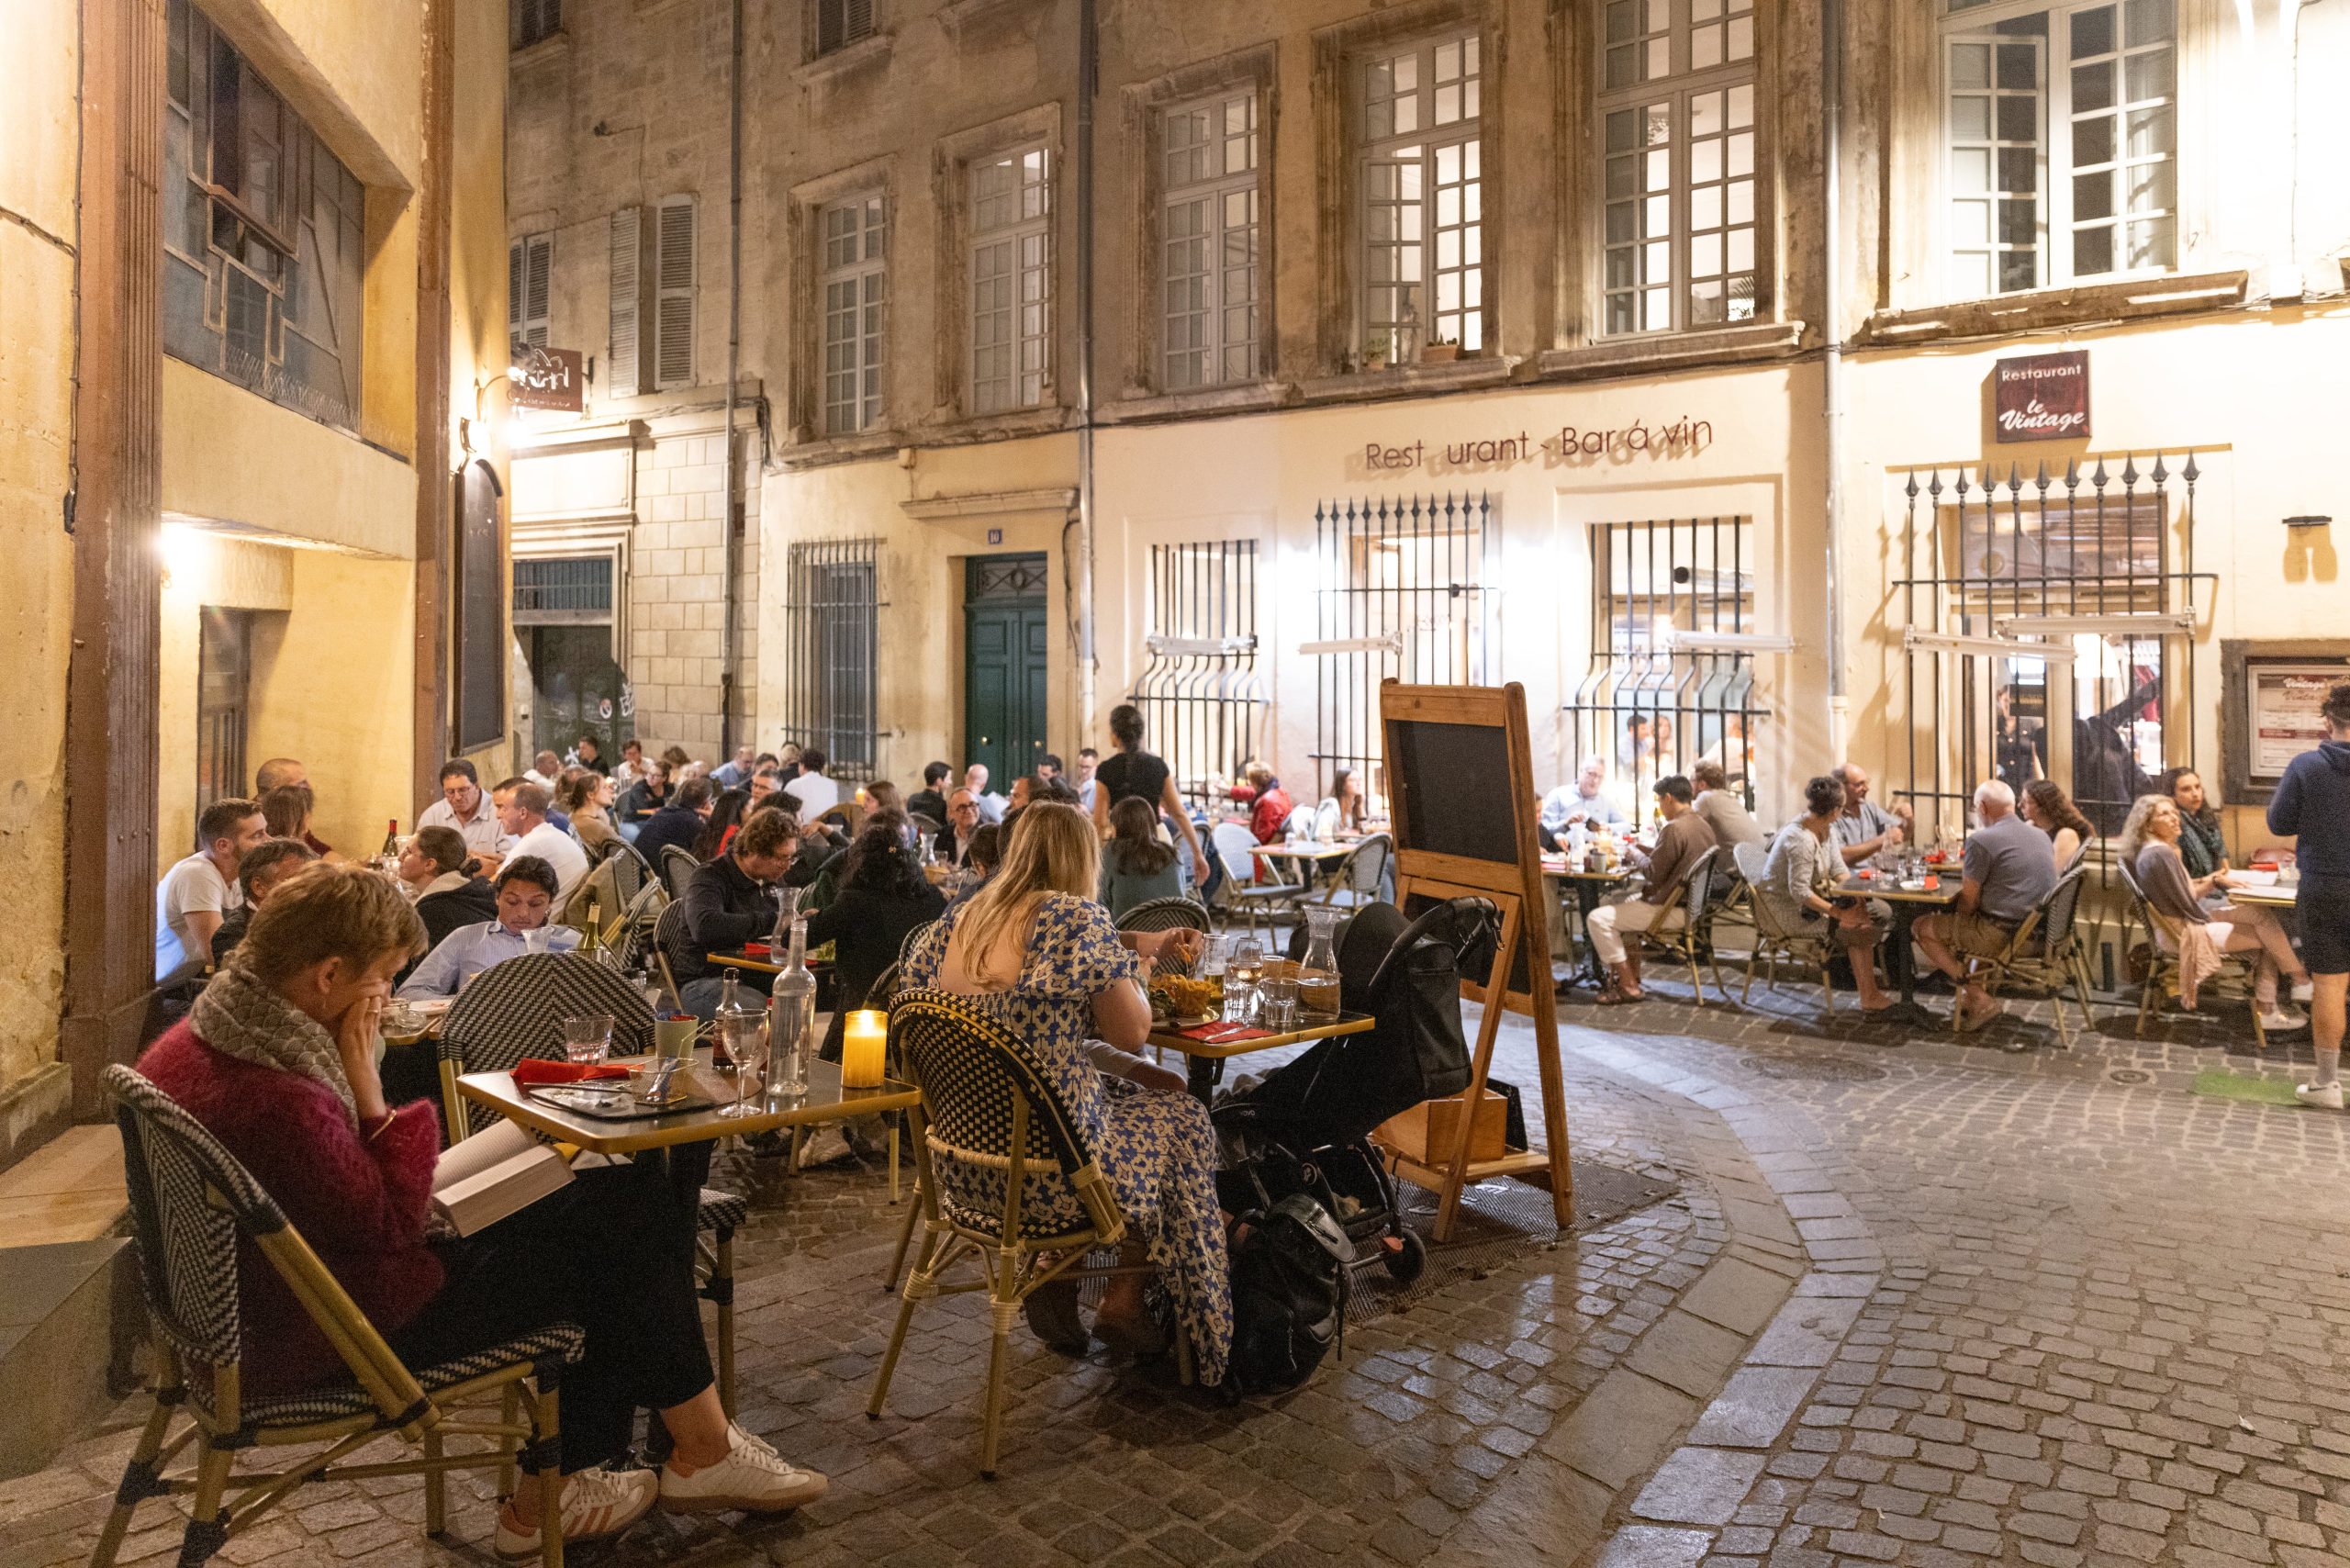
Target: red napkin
{"type": "Point", "coordinates": [756, 949]}
{"type": "Point", "coordinates": [535, 1070]}
{"type": "Point", "coordinates": [1224, 1034]}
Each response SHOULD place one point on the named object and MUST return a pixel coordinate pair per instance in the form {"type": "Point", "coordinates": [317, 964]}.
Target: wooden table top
{"type": "Point", "coordinates": [825, 1100]}
{"type": "Point", "coordinates": [1346, 1024]}
{"type": "Point", "coordinates": [1300, 850]}
{"type": "Point", "coordinates": [1558, 870]}
{"type": "Point", "coordinates": [766, 964]}
{"type": "Point", "coordinates": [2276, 895]}
{"type": "Point", "coordinates": [1892, 892]}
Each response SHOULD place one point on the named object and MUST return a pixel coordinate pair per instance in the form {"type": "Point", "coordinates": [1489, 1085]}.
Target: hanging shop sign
{"type": "Point", "coordinates": [1682, 437]}
{"type": "Point", "coordinates": [2043, 396]}
{"type": "Point", "coordinates": [549, 378]}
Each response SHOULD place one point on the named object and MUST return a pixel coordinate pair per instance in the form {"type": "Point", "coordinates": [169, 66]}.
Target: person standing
{"type": "Point", "coordinates": [1685, 836]}
{"type": "Point", "coordinates": [2312, 803]}
{"type": "Point", "coordinates": [197, 894]}
{"type": "Point", "coordinates": [464, 807]}
{"type": "Point", "coordinates": [1133, 772]}
{"type": "Point", "coordinates": [523, 812]}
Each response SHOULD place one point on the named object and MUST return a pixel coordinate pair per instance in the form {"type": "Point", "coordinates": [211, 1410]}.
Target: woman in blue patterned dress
{"type": "Point", "coordinates": [1034, 951]}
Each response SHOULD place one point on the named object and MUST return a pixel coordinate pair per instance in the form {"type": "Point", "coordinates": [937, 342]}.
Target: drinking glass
{"type": "Point", "coordinates": [1277, 1003]}
{"type": "Point", "coordinates": [1241, 968]}
{"type": "Point", "coordinates": [587, 1040]}
{"type": "Point", "coordinates": [744, 1036]}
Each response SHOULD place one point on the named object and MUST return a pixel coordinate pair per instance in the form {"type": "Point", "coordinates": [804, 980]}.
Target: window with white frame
{"type": "Point", "coordinates": [1012, 280]}
{"type": "Point", "coordinates": [856, 239]}
{"type": "Point", "coordinates": [1422, 199]}
{"type": "Point", "coordinates": [1678, 155]}
{"type": "Point", "coordinates": [2060, 142]}
{"type": "Point", "coordinates": [529, 263]}
{"type": "Point", "coordinates": [1210, 285]}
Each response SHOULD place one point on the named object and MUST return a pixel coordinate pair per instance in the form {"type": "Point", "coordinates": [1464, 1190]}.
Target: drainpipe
{"type": "Point", "coordinates": [1832, 287]}
{"type": "Point", "coordinates": [1089, 64]}
{"type": "Point", "coordinates": [730, 644]}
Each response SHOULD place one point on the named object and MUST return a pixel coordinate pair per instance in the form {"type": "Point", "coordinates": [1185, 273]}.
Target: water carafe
{"type": "Point", "coordinates": [792, 1015]}
{"type": "Point", "coordinates": [1317, 973]}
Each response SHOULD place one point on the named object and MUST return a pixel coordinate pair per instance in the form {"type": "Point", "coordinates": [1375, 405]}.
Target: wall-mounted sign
{"type": "Point", "coordinates": [2044, 396]}
{"type": "Point", "coordinates": [549, 378]}
{"type": "Point", "coordinates": [1682, 437]}
{"type": "Point", "coordinates": [2283, 698]}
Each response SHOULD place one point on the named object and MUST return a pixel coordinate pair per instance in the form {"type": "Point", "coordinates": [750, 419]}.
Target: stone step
{"type": "Point", "coordinates": [69, 1308]}
{"type": "Point", "coordinates": [69, 1188]}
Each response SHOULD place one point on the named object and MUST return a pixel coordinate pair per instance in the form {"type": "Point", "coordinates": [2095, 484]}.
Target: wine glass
{"type": "Point", "coordinates": [1246, 962]}
{"type": "Point", "coordinates": [744, 1037]}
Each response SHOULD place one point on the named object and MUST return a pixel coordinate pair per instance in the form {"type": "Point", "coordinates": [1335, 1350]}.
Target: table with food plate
{"type": "Point", "coordinates": [1910, 892]}
{"type": "Point", "coordinates": [1188, 1016]}
{"type": "Point", "coordinates": [1577, 878]}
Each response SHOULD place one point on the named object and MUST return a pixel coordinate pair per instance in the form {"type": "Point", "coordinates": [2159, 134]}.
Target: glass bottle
{"type": "Point", "coordinates": [734, 1020]}
{"type": "Point", "coordinates": [1317, 973]}
{"type": "Point", "coordinates": [791, 1014]}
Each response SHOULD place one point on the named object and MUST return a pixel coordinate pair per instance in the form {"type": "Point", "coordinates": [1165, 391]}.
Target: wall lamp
{"type": "Point", "coordinates": [2314, 520]}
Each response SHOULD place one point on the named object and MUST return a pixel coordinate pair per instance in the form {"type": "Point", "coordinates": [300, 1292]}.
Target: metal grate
{"type": "Point", "coordinates": [830, 651]}
{"type": "Point", "coordinates": [2094, 573]}
{"type": "Point", "coordinates": [1199, 692]}
{"type": "Point", "coordinates": [1651, 704]}
{"type": "Point", "coordinates": [1406, 590]}
{"type": "Point", "coordinates": [563, 591]}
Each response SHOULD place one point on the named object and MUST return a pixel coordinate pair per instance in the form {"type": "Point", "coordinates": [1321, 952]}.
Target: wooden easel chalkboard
{"type": "Point", "coordinates": [1461, 801]}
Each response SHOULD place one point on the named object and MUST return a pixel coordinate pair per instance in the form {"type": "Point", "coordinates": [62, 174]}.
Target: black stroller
{"type": "Point", "coordinates": [1306, 1126]}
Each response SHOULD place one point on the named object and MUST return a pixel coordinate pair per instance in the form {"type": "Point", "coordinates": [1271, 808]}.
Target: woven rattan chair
{"type": "Point", "coordinates": [2235, 974]}
{"type": "Point", "coordinates": [191, 1203]}
{"type": "Point", "coordinates": [629, 947]}
{"type": "Point", "coordinates": [516, 1009]}
{"type": "Point", "coordinates": [1773, 941]}
{"type": "Point", "coordinates": [1173, 913]}
{"type": "Point", "coordinates": [2046, 951]}
{"type": "Point", "coordinates": [678, 869]}
{"type": "Point", "coordinates": [1684, 931]}
{"type": "Point", "coordinates": [985, 1107]}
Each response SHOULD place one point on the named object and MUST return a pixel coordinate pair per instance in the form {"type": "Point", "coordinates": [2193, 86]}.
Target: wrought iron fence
{"type": "Point", "coordinates": [2005, 583]}
{"type": "Point", "coordinates": [1670, 683]}
{"type": "Point", "coordinates": [832, 650]}
{"type": "Point", "coordinates": [1406, 590]}
{"type": "Point", "coordinates": [1200, 693]}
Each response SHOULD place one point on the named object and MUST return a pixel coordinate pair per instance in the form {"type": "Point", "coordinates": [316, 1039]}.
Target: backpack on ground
{"type": "Point", "coordinates": [1289, 1296]}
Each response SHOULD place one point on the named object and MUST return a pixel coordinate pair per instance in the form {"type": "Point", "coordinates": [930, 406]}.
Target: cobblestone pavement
{"type": "Point", "coordinates": [1918, 1300]}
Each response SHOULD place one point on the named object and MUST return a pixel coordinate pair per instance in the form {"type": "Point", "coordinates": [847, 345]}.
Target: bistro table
{"type": "Point", "coordinates": [1204, 1057]}
{"type": "Point", "coordinates": [2271, 895]}
{"type": "Point", "coordinates": [1586, 886]}
{"type": "Point", "coordinates": [1908, 903]}
{"type": "Point", "coordinates": [764, 963]}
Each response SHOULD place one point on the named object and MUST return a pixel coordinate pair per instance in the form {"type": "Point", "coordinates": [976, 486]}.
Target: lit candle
{"type": "Point", "coordinates": [864, 1039]}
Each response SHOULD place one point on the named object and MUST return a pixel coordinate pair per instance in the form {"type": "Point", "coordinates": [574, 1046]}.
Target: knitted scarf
{"type": "Point", "coordinates": [239, 1016]}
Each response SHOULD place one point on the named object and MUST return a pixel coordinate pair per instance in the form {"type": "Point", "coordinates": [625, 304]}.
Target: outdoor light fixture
{"type": "Point", "coordinates": [1198, 647]}
{"type": "Point", "coordinates": [2311, 520]}
{"type": "Point", "coordinates": [2095, 625]}
{"type": "Point", "coordinates": [1391, 644]}
{"type": "Point", "coordinates": [1916, 641]}
{"type": "Point", "coordinates": [1728, 642]}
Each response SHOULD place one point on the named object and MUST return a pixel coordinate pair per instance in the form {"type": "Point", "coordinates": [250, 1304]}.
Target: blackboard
{"type": "Point", "coordinates": [1452, 785]}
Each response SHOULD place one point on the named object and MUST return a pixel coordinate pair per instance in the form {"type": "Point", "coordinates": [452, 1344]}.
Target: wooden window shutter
{"type": "Point", "coordinates": [842, 22]}
{"type": "Point", "coordinates": [627, 251]}
{"type": "Point", "coordinates": [674, 318]}
{"type": "Point", "coordinates": [530, 266]}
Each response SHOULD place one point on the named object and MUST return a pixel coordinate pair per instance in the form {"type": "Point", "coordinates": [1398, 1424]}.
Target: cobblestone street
{"type": "Point", "coordinates": [1915, 1301]}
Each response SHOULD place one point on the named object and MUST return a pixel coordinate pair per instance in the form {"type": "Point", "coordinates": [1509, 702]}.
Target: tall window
{"type": "Point", "coordinates": [1676, 109]}
{"type": "Point", "coordinates": [1422, 219]}
{"type": "Point", "coordinates": [673, 316]}
{"type": "Point", "coordinates": [855, 237]}
{"type": "Point", "coordinates": [1211, 283]}
{"type": "Point", "coordinates": [1012, 281]}
{"type": "Point", "coordinates": [2061, 142]}
{"type": "Point", "coordinates": [840, 22]}
{"type": "Point", "coordinates": [832, 650]}
{"type": "Point", "coordinates": [528, 21]}
{"type": "Point", "coordinates": [530, 261]}
{"type": "Point", "coordinates": [262, 233]}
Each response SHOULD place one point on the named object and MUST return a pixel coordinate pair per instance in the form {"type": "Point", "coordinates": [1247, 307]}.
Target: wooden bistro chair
{"type": "Point", "coordinates": [1248, 888]}
{"type": "Point", "coordinates": [191, 1205]}
{"type": "Point", "coordinates": [1773, 941]}
{"type": "Point", "coordinates": [2236, 972]}
{"type": "Point", "coordinates": [1684, 931]}
{"type": "Point", "coordinates": [1356, 881]}
{"type": "Point", "coordinates": [986, 1108]}
{"type": "Point", "coordinates": [2047, 952]}
{"type": "Point", "coordinates": [516, 1009]}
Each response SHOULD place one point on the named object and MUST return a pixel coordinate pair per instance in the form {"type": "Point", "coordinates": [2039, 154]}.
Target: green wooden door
{"type": "Point", "coordinates": [1005, 641]}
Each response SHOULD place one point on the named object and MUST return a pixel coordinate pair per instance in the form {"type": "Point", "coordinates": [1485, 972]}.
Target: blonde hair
{"type": "Point", "coordinates": [2133, 831]}
{"type": "Point", "coordinates": [1053, 850]}
{"type": "Point", "coordinates": [328, 912]}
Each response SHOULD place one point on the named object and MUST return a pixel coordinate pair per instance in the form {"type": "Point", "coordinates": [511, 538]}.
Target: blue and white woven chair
{"type": "Point", "coordinates": [988, 1113]}
{"type": "Point", "coordinates": [515, 1010]}
{"type": "Point", "coordinates": [191, 1204]}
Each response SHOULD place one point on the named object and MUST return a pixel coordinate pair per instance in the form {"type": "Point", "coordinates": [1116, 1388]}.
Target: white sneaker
{"type": "Point", "coordinates": [2329, 1095]}
{"type": "Point", "coordinates": [751, 1479]}
{"type": "Point", "coordinates": [2304, 992]}
{"type": "Point", "coordinates": [2280, 1020]}
{"type": "Point", "coordinates": [596, 1502]}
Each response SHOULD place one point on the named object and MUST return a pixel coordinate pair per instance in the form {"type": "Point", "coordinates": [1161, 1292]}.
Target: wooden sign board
{"type": "Point", "coordinates": [1462, 805]}
{"type": "Point", "coordinates": [2041, 397]}
{"type": "Point", "coordinates": [550, 378]}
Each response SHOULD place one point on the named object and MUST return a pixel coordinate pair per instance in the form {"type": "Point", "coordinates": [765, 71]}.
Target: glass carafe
{"type": "Point", "coordinates": [792, 1015]}
{"type": "Point", "coordinates": [787, 910]}
{"type": "Point", "coordinates": [1318, 972]}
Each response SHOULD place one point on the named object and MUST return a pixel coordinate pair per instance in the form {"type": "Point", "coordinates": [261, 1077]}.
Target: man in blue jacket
{"type": "Point", "coordinates": [2312, 802]}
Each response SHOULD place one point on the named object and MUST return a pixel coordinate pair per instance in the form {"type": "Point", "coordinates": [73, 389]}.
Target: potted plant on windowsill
{"type": "Point", "coordinates": [1374, 351]}
{"type": "Point", "coordinates": [1439, 351]}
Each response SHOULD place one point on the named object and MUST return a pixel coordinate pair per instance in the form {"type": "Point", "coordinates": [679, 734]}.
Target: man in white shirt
{"type": "Point", "coordinates": [992, 805]}
{"type": "Point", "coordinates": [817, 794]}
{"type": "Point", "coordinates": [523, 812]}
{"type": "Point", "coordinates": [632, 767]}
{"type": "Point", "coordinates": [464, 807]}
{"type": "Point", "coordinates": [525, 904]}
{"type": "Point", "coordinates": [198, 894]}
{"type": "Point", "coordinates": [1088, 759]}
{"type": "Point", "coordinates": [543, 770]}
{"type": "Point", "coordinates": [1584, 800]}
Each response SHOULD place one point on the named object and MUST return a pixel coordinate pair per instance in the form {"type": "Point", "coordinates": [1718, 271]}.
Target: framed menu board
{"type": "Point", "coordinates": [2269, 714]}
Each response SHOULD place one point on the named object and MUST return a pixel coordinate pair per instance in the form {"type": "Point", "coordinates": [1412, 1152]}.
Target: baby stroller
{"type": "Point", "coordinates": [1306, 1126]}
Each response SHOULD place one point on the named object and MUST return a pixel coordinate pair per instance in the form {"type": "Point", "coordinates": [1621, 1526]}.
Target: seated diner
{"type": "Point", "coordinates": [526, 891]}
{"type": "Point", "coordinates": [2151, 845]}
{"type": "Point", "coordinates": [2010, 866]}
{"type": "Point", "coordinates": [1801, 879]}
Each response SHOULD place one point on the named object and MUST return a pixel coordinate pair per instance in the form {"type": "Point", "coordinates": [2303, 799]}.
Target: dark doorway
{"type": "Point", "coordinates": [224, 674]}
{"type": "Point", "coordinates": [562, 617]}
{"type": "Point", "coordinates": [1005, 642]}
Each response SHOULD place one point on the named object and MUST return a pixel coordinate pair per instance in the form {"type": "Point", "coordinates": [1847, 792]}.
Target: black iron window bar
{"type": "Point", "coordinates": [831, 621]}
{"type": "Point", "coordinates": [1199, 692]}
{"type": "Point", "coordinates": [1407, 589]}
{"type": "Point", "coordinates": [1672, 677]}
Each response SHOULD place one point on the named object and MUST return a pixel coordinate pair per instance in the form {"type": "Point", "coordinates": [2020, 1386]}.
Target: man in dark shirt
{"type": "Point", "coordinates": [2312, 803]}
{"type": "Point", "coordinates": [728, 904]}
{"type": "Point", "coordinates": [1685, 836]}
{"type": "Point", "coordinates": [954, 841]}
{"type": "Point", "coordinates": [678, 823]}
{"type": "Point", "coordinates": [930, 801]}
{"type": "Point", "coordinates": [264, 866]}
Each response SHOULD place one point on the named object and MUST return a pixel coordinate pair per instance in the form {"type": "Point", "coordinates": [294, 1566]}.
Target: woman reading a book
{"type": "Point", "coordinates": [277, 1060]}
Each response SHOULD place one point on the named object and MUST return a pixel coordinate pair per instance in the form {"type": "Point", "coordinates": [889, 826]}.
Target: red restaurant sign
{"type": "Point", "coordinates": [549, 378]}
{"type": "Point", "coordinates": [2044, 398]}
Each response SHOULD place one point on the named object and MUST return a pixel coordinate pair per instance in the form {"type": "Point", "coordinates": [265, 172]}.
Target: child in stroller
{"type": "Point", "coordinates": [1306, 1126]}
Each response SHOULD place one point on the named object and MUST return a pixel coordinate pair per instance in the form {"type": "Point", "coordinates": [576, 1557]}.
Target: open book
{"type": "Point", "coordinates": [491, 1174]}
